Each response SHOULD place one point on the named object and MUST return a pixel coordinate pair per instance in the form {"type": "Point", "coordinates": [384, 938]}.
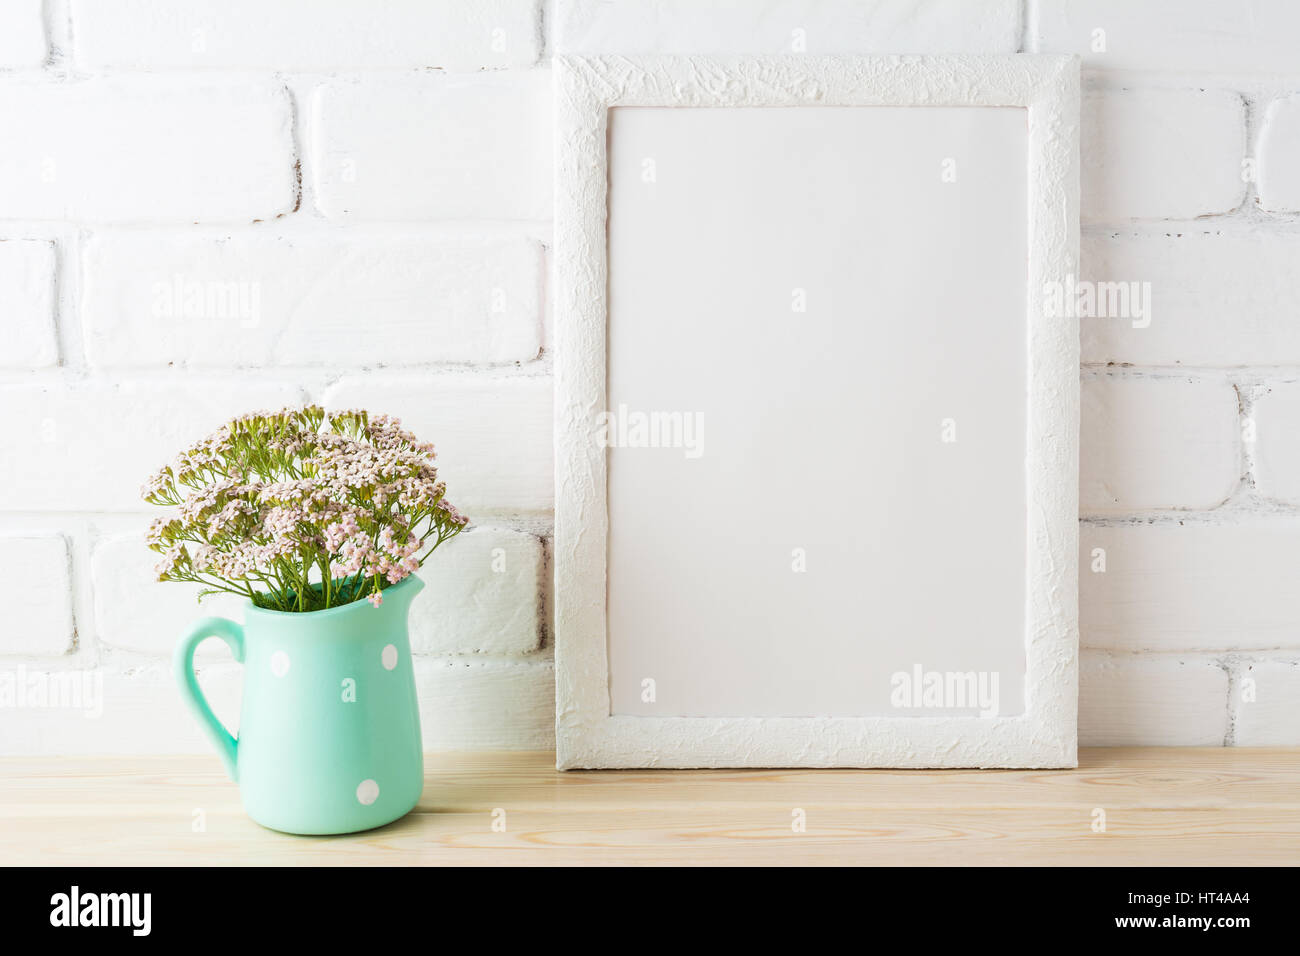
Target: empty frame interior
{"type": "Point", "coordinates": [817, 397]}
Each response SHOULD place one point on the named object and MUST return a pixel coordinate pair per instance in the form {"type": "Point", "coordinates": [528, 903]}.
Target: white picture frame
{"type": "Point", "coordinates": [589, 734]}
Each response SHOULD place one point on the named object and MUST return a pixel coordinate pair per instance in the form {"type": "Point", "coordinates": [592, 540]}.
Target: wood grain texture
{"type": "Point", "coordinates": [1163, 807]}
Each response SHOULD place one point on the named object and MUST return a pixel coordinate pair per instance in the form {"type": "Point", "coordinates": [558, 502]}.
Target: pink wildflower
{"type": "Point", "coordinates": [279, 496]}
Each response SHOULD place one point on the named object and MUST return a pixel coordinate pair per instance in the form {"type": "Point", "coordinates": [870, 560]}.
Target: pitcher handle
{"type": "Point", "coordinates": [183, 666]}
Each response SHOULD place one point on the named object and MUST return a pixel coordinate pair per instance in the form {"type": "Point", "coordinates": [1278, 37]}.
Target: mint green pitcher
{"type": "Point", "coordinates": [329, 728]}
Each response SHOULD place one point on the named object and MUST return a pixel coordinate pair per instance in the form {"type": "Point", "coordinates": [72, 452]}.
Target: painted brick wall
{"type": "Point", "coordinates": [1191, 633]}
{"type": "Point", "coordinates": [210, 206]}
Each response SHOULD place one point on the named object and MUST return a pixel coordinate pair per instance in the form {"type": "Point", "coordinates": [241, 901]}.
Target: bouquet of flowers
{"type": "Point", "coordinates": [301, 509]}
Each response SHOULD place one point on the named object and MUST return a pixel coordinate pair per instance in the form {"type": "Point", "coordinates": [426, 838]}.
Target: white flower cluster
{"type": "Point", "coordinates": [301, 509]}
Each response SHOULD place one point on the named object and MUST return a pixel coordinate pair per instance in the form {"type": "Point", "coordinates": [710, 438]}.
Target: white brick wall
{"type": "Point", "coordinates": [1164, 701]}
{"type": "Point", "coordinates": [1162, 154]}
{"type": "Point", "coordinates": [84, 446]}
{"type": "Point", "coordinates": [1189, 586]}
{"type": "Point", "coordinates": [146, 148]}
{"type": "Point", "coordinates": [386, 150]}
{"type": "Point", "coordinates": [1279, 156]}
{"type": "Point", "coordinates": [22, 34]}
{"type": "Point", "coordinates": [1209, 36]}
{"type": "Point", "coordinates": [35, 568]}
{"type": "Point", "coordinates": [492, 433]}
{"type": "Point", "coordinates": [483, 596]}
{"type": "Point", "coordinates": [1264, 709]}
{"type": "Point", "coordinates": [785, 26]}
{"type": "Point", "coordinates": [136, 612]}
{"type": "Point", "coordinates": [27, 304]}
{"type": "Point", "coordinates": [247, 299]}
{"type": "Point", "coordinates": [1157, 443]}
{"type": "Point", "coordinates": [1190, 477]}
{"type": "Point", "coordinates": [1277, 459]}
{"type": "Point", "coordinates": [207, 207]}
{"type": "Point", "coordinates": [1220, 297]}
{"type": "Point", "coordinates": [275, 35]}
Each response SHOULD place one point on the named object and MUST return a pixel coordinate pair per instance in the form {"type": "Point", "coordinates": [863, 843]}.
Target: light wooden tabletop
{"type": "Point", "coordinates": [1161, 806]}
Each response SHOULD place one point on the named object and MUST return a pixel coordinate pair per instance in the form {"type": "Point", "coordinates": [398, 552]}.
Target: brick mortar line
{"type": "Point", "coordinates": [66, 73]}
{"type": "Point", "coordinates": [1284, 653]}
{"type": "Point", "coordinates": [320, 377]}
{"type": "Point", "coordinates": [1233, 674]}
{"type": "Point", "coordinates": [1243, 509]}
{"type": "Point", "coordinates": [1223, 374]}
{"type": "Point", "coordinates": [1239, 224]}
{"type": "Point", "coordinates": [1262, 85]}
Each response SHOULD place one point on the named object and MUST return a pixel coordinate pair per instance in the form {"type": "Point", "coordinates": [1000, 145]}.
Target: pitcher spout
{"type": "Point", "coordinates": [404, 591]}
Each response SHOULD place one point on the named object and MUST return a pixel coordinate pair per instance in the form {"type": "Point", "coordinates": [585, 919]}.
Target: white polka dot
{"type": "Point", "coordinates": [279, 663]}
{"type": "Point", "coordinates": [367, 792]}
{"type": "Point", "coordinates": [389, 657]}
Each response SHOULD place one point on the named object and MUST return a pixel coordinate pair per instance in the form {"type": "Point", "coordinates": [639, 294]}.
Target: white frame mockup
{"type": "Point", "coordinates": [586, 88]}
